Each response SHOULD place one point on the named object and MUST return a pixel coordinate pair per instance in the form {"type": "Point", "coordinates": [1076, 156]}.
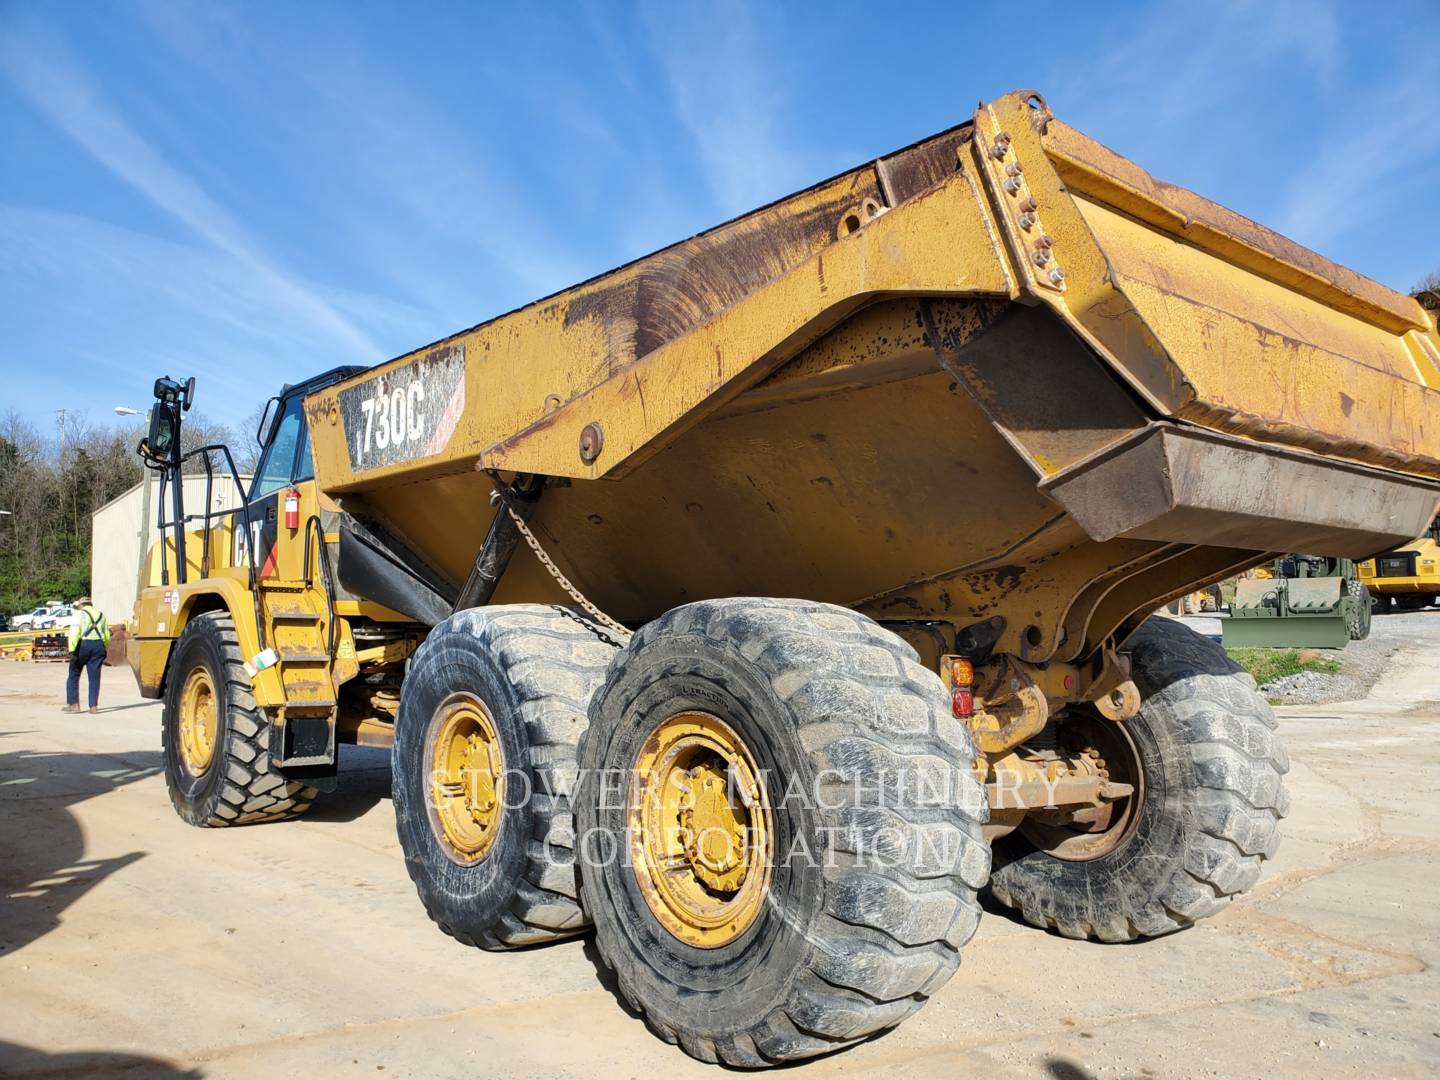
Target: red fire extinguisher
{"type": "Point", "coordinates": [292, 508]}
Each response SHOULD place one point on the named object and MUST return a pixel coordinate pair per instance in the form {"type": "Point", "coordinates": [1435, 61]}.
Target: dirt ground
{"type": "Point", "coordinates": [130, 943]}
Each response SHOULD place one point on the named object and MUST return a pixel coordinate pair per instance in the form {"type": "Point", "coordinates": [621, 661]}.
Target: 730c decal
{"type": "Point", "coordinates": [400, 417]}
{"type": "Point", "coordinates": [406, 413]}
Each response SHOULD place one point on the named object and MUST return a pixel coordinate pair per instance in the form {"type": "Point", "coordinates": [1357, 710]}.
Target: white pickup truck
{"type": "Point", "coordinates": [39, 618]}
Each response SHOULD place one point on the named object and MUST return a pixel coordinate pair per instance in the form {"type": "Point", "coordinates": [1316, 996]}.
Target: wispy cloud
{"type": "Point", "coordinates": [1366, 172]}
{"type": "Point", "coordinates": [1178, 62]}
{"type": "Point", "coordinates": [1314, 117]}
{"type": "Point", "coordinates": [42, 68]}
{"type": "Point", "coordinates": [728, 94]}
{"type": "Point", "coordinates": [108, 308]}
{"type": "Point", "coordinates": [433, 185]}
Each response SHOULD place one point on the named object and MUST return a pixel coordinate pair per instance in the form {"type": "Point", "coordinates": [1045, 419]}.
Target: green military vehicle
{"type": "Point", "coordinates": [1306, 601]}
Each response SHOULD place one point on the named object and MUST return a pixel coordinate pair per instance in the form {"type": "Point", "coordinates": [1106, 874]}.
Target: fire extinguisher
{"type": "Point", "coordinates": [292, 508]}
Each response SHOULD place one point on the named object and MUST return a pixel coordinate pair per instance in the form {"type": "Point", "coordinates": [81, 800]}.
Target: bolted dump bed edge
{"type": "Point", "coordinates": [1209, 319]}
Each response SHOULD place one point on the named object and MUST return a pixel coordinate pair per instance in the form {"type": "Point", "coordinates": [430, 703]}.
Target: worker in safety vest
{"type": "Point", "coordinates": [89, 640]}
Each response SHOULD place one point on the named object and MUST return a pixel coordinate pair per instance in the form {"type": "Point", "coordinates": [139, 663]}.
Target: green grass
{"type": "Point", "coordinates": [1268, 664]}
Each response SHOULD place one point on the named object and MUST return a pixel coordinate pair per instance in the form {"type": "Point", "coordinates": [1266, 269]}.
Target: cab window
{"type": "Point", "coordinates": [304, 463]}
{"type": "Point", "coordinates": [291, 441]}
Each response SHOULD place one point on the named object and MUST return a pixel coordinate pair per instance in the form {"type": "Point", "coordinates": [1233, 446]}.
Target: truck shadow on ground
{"type": "Point", "coordinates": [18, 1060]}
{"type": "Point", "coordinates": [362, 781]}
{"type": "Point", "coordinates": [1062, 1069]}
{"type": "Point", "coordinates": [43, 863]}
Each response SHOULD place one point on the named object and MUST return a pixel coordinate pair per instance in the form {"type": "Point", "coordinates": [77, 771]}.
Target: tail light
{"type": "Point", "coordinates": [961, 677]}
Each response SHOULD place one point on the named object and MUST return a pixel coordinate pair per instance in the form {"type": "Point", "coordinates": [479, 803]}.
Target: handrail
{"type": "Point", "coordinates": [174, 474]}
{"type": "Point", "coordinates": [325, 572]}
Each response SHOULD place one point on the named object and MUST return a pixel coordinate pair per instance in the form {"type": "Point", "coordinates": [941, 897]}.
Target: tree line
{"type": "Point", "coordinates": [51, 489]}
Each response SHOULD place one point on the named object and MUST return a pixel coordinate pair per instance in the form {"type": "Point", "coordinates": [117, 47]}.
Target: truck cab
{"type": "Point", "coordinates": [253, 592]}
{"type": "Point", "coordinates": [1406, 578]}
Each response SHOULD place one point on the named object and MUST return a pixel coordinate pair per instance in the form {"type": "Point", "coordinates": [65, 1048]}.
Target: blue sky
{"type": "Point", "coordinates": [253, 193]}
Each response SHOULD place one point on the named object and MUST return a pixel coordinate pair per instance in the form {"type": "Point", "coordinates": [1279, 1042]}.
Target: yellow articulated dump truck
{"type": "Point", "coordinates": [760, 602]}
{"type": "Point", "coordinates": [1406, 578]}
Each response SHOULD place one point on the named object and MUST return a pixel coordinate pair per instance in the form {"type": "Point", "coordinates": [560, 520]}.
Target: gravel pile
{"type": "Point", "coordinates": [1362, 663]}
{"type": "Point", "coordinates": [1314, 688]}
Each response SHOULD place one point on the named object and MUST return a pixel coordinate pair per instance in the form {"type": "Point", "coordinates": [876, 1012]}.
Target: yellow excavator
{"type": "Point", "coordinates": [759, 602]}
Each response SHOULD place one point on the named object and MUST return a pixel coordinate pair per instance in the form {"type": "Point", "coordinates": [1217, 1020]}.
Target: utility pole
{"type": "Point", "coordinates": [60, 420]}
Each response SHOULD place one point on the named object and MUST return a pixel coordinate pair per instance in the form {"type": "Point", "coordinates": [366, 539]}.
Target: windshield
{"type": "Point", "coordinates": [277, 467]}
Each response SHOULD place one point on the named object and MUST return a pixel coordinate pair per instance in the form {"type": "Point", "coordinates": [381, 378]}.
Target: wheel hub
{"type": "Point", "coordinates": [712, 830]}
{"type": "Point", "coordinates": [199, 721]}
{"type": "Point", "coordinates": [466, 766]}
{"type": "Point", "coordinates": [700, 830]}
{"type": "Point", "coordinates": [1106, 750]}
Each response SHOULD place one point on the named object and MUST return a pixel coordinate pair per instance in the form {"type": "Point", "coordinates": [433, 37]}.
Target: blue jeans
{"type": "Point", "coordinates": [89, 654]}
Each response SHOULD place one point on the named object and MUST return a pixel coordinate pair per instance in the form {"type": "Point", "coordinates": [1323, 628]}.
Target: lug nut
{"type": "Point", "coordinates": [1014, 169]}
{"type": "Point", "coordinates": [1045, 242]}
{"type": "Point", "coordinates": [1057, 276]}
{"type": "Point", "coordinates": [1028, 204]}
{"type": "Point", "coordinates": [1041, 256]}
{"type": "Point", "coordinates": [1027, 221]}
{"type": "Point", "coordinates": [1012, 185]}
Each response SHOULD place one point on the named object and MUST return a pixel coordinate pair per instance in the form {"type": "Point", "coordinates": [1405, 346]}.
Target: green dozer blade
{"type": "Point", "coordinates": [1290, 632]}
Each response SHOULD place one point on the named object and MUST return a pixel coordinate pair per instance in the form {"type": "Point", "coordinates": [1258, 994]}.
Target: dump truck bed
{"type": "Point", "coordinates": [1003, 359]}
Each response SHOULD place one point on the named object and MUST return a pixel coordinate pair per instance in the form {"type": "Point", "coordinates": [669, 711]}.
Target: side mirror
{"type": "Point", "coordinates": [267, 421]}
{"type": "Point", "coordinates": [164, 430]}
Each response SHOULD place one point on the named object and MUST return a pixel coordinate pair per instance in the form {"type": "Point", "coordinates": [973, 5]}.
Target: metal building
{"type": "Point", "coordinates": [117, 545]}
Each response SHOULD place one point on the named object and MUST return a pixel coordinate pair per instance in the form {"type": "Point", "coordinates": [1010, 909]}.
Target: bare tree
{"type": "Point", "coordinates": [246, 447]}
{"type": "Point", "coordinates": [1428, 291]}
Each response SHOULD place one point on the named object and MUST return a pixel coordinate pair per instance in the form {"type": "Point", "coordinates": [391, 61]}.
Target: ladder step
{"type": "Point", "coordinates": [304, 657]}
{"type": "Point", "coordinates": [295, 616]}
{"type": "Point", "coordinates": [309, 703]}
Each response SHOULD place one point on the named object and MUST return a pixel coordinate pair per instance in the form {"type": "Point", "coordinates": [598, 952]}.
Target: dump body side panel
{"type": "Point", "coordinates": [1010, 387]}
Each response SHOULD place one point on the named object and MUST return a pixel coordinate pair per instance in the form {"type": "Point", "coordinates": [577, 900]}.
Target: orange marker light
{"type": "Point", "coordinates": [962, 672]}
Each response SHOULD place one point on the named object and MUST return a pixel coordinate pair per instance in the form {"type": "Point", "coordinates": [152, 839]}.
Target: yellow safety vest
{"type": "Point", "coordinates": [89, 625]}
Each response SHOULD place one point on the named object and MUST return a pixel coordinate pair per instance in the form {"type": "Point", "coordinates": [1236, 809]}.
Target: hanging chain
{"type": "Point", "coordinates": [620, 631]}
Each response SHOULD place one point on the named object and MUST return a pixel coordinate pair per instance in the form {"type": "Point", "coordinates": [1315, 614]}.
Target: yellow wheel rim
{"type": "Point", "coordinates": [466, 767]}
{"type": "Point", "coordinates": [700, 830]}
{"type": "Point", "coordinates": [199, 721]}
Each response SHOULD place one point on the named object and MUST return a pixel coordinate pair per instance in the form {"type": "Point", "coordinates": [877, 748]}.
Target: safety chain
{"type": "Point", "coordinates": [548, 563]}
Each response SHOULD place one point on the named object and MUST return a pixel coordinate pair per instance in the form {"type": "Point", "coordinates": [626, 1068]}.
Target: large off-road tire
{"type": "Point", "coordinates": [870, 800]}
{"type": "Point", "coordinates": [217, 762]}
{"type": "Point", "coordinates": [532, 669]}
{"type": "Point", "coordinates": [1213, 797]}
{"type": "Point", "coordinates": [1359, 611]}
